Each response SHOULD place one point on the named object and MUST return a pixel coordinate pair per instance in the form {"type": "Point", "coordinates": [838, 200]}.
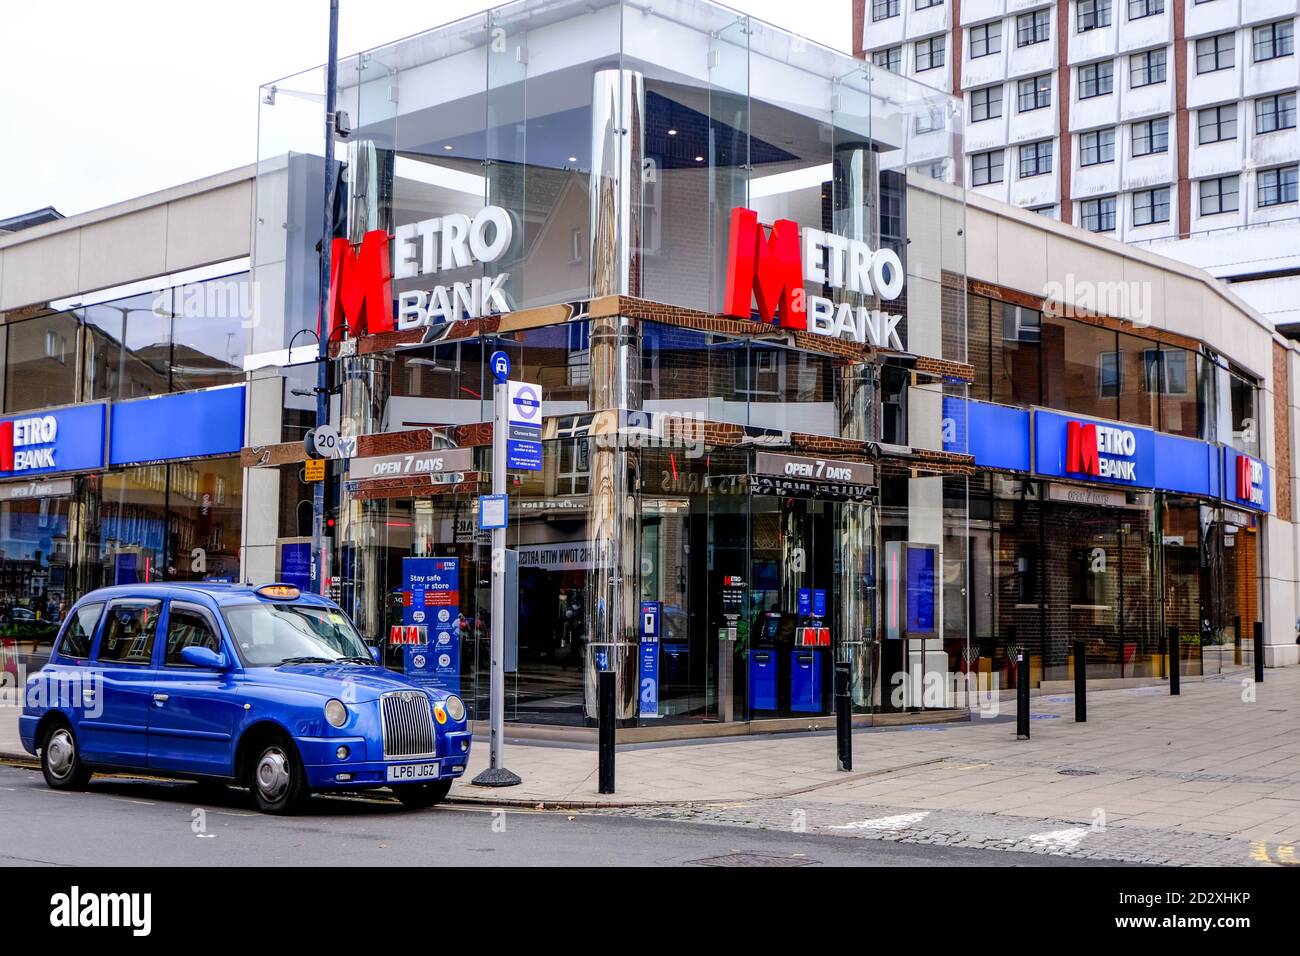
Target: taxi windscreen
{"type": "Point", "coordinates": [272, 634]}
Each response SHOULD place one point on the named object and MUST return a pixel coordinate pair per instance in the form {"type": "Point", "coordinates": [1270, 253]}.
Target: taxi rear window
{"type": "Point", "coordinates": [80, 630]}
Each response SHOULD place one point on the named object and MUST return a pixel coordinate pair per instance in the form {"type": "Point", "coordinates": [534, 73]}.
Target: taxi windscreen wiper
{"type": "Point", "coordinates": [357, 660]}
{"type": "Point", "coordinates": [309, 660]}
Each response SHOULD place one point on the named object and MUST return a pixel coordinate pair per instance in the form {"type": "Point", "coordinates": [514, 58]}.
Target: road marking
{"type": "Point", "coordinates": [899, 822]}
{"type": "Point", "coordinates": [1059, 839]}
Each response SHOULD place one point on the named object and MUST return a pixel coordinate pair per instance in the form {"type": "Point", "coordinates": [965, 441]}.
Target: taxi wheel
{"type": "Point", "coordinates": [61, 760]}
{"type": "Point", "coordinates": [277, 779]}
{"type": "Point", "coordinates": [417, 796]}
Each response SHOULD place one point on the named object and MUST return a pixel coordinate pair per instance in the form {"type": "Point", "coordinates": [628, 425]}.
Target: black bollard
{"type": "Point", "coordinates": [843, 716]}
{"type": "Point", "coordinates": [1080, 684]}
{"type": "Point", "coordinates": [1236, 640]}
{"type": "Point", "coordinates": [1259, 652]}
{"type": "Point", "coordinates": [605, 716]}
{"type": "Point", "coordinates": [1022, 696]}
{"type": "Point", "coordinates": [1174, 664]}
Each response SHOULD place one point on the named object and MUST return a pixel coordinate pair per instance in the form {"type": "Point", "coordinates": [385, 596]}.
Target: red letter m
{"type": "Point", "coordinates": [1081, 449]}
{"type": "Point", "coordinates": [361, 285]}
{"type": "Point", "coordinates": [765, 267]}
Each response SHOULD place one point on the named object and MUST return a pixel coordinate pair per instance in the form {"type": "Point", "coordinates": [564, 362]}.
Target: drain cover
{"type": "Point", "coordinates": [1077, 772]}
{"type": "Point", "coordinates": [752, 859]}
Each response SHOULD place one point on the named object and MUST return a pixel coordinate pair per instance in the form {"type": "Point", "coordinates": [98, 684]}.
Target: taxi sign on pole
{"type": "Point", "coordinates": [500, 363]}
{"type": "Point", "coordinates": [524, 426]}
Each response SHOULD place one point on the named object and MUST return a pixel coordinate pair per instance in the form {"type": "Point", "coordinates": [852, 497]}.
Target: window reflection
{"type": "Point", "coordinates": [41, 362]}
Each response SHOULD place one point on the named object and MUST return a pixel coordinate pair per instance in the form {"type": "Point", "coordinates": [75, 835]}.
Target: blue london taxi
{"type": "Point", "coordinates": [265, 687]}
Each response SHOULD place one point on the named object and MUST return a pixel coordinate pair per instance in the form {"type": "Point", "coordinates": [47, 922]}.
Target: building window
{"type": "Point", "coordinates": [1110, 374]}
{"type": "Point", "coordinates": [883, 9]}
{"type": "Point", "coordinates": [1215, 53]}
{"type": "Point", "coordinates": [1274, 40]}
{"type": "Point", "coordinates": [1151, 136]}
{"type": "Point", "coordinates": [986, 168]}
{"type": "Point", "coordinates": [1034, 27]}
{"type": "Point", "coordinates": [1096, 79]}
{"type": "Point", "coordinates": [1098, 215]}
{"type": "Point", "coordinates": [1165, 371]}
{"type": "Point", "coordinates": [1216, 124]}
{"type": "Point", "coordinates": [1219, 195]}
{"type": "Point", "coordinates": [929, 121]}
{"type": "Point", "coordinates": [1092, 15]}
{"type": "Point", "coordinates": [929, 54]}
{"type": "Point", "coordinates": [1137, 9]}
{"type": "Point", "coordinates": [573, 470]}
{"type": "Point", "coordinates": [1273, 113]}
{"type": "Point", "coordinates": [926, 4]}
{"type": "Point", "coordinates": [1035, 93]}
{"type": "Point", "coordinates": [985, 104]}
{"type": "Point", "coordinates": [1151, 206]}
{"type": "Point", "coordinates": [1036, 159]}
{"type": "Point", "coordinates": [1277, 186]}
{"type": "Point", "coordinates": [986, 39]}
{"type": "Point", "coordinates": [1097, 147]}
{"type": "Point", "coordinates": [1047, 211]}
{"type": "Point", "coordinates": [890, 59]}
{"type": "Point", "coordinates": [1145, 69]}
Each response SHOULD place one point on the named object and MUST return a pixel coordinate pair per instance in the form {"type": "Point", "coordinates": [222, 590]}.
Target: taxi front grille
{"type": "Point", "coordinates": [408, 725]}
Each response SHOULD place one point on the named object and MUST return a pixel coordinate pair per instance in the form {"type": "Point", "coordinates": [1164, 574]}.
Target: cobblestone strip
{"type": "Point", "coordinates": [1117, 843]}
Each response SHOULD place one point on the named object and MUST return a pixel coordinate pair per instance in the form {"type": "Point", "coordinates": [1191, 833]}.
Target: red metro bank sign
{"type": "Point", "coordinates": [1104, 451]}
{"type": "Point", "coordinates": [769, 268]}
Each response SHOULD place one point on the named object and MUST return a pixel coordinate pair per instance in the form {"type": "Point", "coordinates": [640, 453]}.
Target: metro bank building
{"type": "Point", "coordinates": [805, 400]}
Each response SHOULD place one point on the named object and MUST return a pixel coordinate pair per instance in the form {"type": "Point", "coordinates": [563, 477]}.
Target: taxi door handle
{"type": "Point", "coordinates": [160, 698]}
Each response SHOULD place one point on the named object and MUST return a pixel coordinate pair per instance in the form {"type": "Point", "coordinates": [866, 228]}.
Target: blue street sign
{"type": "Point", "coordinates": [500, 363]}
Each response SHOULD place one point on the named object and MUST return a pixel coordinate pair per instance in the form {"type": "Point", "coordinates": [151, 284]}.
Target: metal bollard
{"type": "Point", "coordinates": [1022, 697]}
{"type": "Point", "coordinates": [1259, 652]}
{"type": "Point", "coordinates": [1174, 664]}
{"type": "Point", "coordinates": [843, 717]}
{"type": "Point", "coordinates": [605, 717]}
{"type": "Point", "coordinates": [1080, 684]}
{"type": "Point", "coordinates": [1236, 640]}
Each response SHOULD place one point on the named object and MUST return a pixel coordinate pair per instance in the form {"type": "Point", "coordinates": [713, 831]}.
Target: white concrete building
{"type": "Point", "coordinates": [1168, 123]}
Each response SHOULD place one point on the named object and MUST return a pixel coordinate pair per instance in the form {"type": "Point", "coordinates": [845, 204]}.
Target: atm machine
{"type": "Point", "coordinates": [765, 662]}
{"type": "Point", "coordinates": [810, 657]}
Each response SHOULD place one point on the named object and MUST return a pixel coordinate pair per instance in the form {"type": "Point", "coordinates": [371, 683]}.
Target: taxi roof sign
{"type": "Point", "coordinates": [279, 592]}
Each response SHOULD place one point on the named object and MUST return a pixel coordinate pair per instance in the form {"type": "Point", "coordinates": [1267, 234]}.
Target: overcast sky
{"type": "Point", "coordinates": [101, 101]}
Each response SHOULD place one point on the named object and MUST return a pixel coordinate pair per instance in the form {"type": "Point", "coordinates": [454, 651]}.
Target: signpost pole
{"type": "Point", "coordinates": [497, 775]}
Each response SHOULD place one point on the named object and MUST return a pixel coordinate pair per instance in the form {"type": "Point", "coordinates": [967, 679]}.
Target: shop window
{"type": "Point", "coordinates": [1174, 375]}
{"type": "Point", "coordinates": [130, 347]}
{"type": "Point", "coordinates": [1081, 370]}
{"type": "Point", "coordinates": [1245, 425]}
{"type": "Point", "coordinates": [758, 372]}
{"type": "Point", "coordinates": [40, 362]}
{"type": "Point", "coordinates": [1016, 355]}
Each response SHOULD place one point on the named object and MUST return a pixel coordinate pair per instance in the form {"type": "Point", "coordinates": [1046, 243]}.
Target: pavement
{"type": "Point", "coordinates": [1209, 777]}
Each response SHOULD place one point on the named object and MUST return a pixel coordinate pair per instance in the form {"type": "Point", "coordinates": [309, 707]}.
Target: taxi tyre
{"type": "Point", "coordinates": [61, 758]}
{"type": "Point", "coordinates": [419, 796]}
{"type": "Point", "coordinates": [277, 778]}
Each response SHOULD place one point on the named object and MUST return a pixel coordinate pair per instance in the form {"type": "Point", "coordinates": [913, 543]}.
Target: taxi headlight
{"type": "Point", "coordinates": [455, 708]}
{"type": "Point", "coordinates": [336, 713]}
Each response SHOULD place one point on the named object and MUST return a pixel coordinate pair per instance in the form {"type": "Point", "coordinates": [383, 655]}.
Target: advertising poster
{"type": "Point", "coordinates": [431, 599]}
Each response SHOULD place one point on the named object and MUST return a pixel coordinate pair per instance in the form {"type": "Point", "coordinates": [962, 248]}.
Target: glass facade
{"type": "Point", "coordinates": [618, 139]}
{"type": "Point", "coordinates": [167, 521]}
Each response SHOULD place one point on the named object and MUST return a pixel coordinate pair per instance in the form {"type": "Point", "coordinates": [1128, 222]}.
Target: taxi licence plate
{"type": "Point", "coordinates": [413, 771]}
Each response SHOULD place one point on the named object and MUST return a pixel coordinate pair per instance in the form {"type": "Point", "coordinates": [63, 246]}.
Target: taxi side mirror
{"type": "Point", "coordinates": [203, 657]}
{"type": "Point", "coordinates": [376, 654]}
